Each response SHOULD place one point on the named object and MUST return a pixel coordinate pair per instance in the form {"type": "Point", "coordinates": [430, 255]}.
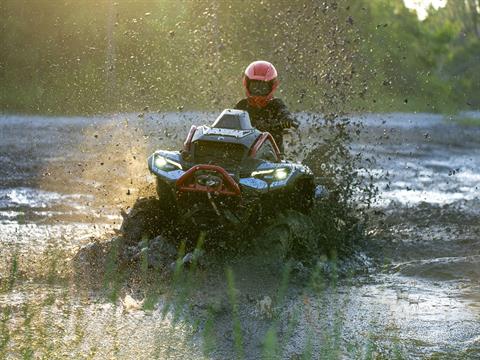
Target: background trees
{"type": "Point", "coordinates": [102, 56]}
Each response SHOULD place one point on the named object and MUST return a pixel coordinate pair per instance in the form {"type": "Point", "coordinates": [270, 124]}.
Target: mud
{"type": "Point", "coordinates": [410, 292]}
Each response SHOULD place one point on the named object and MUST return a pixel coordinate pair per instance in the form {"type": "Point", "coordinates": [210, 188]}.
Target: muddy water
{"type": "Point", "coordinates": [414, 293]}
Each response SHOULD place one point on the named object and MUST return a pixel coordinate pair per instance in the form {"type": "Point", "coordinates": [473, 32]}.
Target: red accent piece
{"type": "Point", "coordinates": [228, 186]}
{"type": "Point", "coordinates": [188, 141]}
{"type": "Point", "coordinates": [259, 142]}
{"type": "Point", "coordinates": [263, 71]}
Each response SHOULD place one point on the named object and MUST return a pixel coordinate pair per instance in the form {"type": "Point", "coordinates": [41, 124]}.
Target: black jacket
{"type": "Point", "coordinates": [273, 118]}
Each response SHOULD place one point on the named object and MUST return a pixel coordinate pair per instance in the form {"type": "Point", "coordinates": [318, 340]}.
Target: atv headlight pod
{"type": "Point", "coordinates": [159, 161]}
{"type": "Point", "coordinates": [163, 163]}
{"type": "Point", "coordinates": [281, 173]}
{"type": "Point", "coordinates": [272, 174]}
{"type": "Point", "coordinates": [263, 172]}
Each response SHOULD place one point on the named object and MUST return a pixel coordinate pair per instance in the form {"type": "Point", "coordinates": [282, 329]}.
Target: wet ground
{"type": "Point", "coordinates": [414, 292]}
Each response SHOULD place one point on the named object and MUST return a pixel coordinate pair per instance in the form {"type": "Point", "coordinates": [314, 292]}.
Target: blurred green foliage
{"type": "Point", "coordinates": [101, 56]}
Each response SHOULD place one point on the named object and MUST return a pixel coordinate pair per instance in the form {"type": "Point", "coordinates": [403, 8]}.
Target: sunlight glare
{"type": "Point", "coordinates": [421, 6]}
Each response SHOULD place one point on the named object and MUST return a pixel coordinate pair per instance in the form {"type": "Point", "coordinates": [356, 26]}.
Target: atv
{"type": "Point", "coordinates": [229, 174]}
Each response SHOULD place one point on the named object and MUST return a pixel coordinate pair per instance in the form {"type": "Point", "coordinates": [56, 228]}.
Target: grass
{"type": "Point", "coordinates": [36, 329]}
{"type": "Point", "coordinates": [4, 330]}
{"type": "Point", "coordinates": [237, 327]}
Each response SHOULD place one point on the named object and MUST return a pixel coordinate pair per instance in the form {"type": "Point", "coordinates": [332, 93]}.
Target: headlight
{"type": "Point", "coordinates": [159, 161]}
{"type": "Point", "coordinates": [262, 172]}
{"type": "Point", "coordinates": [280, 174]}
{"type": "Point", "coordinates": [272, 174]}
{"type": "Point", "coordinates": [163, 163]}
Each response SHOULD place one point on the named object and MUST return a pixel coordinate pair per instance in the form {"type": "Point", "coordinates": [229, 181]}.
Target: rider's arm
{"type": "Point", "coordinates": [285, 118]}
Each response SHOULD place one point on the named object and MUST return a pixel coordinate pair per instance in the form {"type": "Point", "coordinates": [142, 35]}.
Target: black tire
{"type": "Point", "coordinates": [166, 197]}
{"type": "Point", "coordinates": [303, 196]}
{"type": "Point", "coordinates": [289, 233]}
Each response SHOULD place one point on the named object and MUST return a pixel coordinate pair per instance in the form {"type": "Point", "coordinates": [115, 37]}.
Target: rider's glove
{"type": "Point", "coordinates": [290, 123]}
{"type": "Point", "coordinates": [295, 123]}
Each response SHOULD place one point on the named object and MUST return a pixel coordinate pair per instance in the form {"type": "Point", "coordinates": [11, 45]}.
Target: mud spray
{"type": "Point", "coordinates": [386, 266]}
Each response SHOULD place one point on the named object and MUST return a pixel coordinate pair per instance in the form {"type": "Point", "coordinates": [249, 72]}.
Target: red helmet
{"type": "Point", "coordinates": [260, 82]}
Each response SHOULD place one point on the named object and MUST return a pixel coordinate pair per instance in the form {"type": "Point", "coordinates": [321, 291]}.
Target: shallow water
{"type": "Point", "coordinates": [63, 182]}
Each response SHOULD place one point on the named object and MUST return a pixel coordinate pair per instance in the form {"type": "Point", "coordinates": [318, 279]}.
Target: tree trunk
{"type": "Point", "coordinates": [473, 8]}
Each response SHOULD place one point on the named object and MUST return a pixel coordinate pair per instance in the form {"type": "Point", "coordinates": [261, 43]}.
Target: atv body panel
{"type": "Point", "coordinates": [229, 174]}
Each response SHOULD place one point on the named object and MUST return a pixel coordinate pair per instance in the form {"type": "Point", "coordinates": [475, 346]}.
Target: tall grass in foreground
{"type": "Point", "coordinates": [56, 321]}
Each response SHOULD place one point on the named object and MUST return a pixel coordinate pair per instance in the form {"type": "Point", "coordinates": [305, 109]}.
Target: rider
{"type": "Point", "coordinates": [266, 112]}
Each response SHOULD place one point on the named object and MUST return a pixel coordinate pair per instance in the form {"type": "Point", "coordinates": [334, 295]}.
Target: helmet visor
{"type": "Point", "coordinates": [259, 87]}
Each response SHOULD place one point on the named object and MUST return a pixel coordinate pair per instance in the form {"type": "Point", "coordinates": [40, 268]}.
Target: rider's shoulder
{"type": "Point", "coordinates": [277, 103]}
{"type": "Point", "coordinates": [242, 104]}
